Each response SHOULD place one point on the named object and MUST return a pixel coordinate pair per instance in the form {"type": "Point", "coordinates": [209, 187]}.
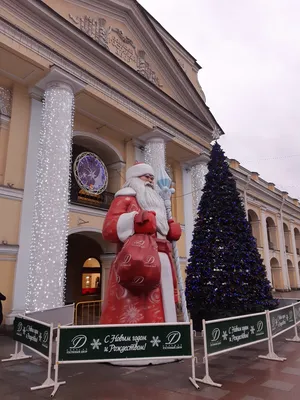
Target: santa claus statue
{"type": "Point", "coordinates": [142, 285]}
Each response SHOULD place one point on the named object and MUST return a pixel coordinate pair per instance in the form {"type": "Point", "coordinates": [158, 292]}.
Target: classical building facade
{"type": "Point", "coordinates": [87, 86]}
{"type": "Point", "coordinates": [275, 221]}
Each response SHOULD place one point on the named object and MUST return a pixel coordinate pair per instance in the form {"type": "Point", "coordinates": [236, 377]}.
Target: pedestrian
{"type": "Point", "coordinates": [2, 298]}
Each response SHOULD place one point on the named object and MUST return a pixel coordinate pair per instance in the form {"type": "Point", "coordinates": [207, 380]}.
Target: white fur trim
{"type": "Point", "coordinates": [125, 226]}
{"type": "Point", "coordinates": [139, 170]}
{"type": "Point", "coordinates": [126, 192]}
{"type": "Point", "coordinates": [167, 288]}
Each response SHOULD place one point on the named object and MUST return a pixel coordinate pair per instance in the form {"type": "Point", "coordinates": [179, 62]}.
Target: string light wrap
{"type": "Point", "coordinates": [155, 155]}
{"type": "Point", "coordinates": [48, 250]}
{"type": "Point", "coordinates": [198, 173]}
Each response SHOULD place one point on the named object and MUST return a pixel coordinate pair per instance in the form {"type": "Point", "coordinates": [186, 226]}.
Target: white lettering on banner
{"type": "Point", "coordinates": [33, 335]}
{"type": "Point", "coordinates": [236, 333]}
{"type": "Point", "coordinates": [122, 349]}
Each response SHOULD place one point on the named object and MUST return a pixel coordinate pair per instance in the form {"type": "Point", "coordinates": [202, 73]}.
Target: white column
{"type": "Point", "coordinates": [266, 244]}
{"type": "Point", "coordinates": [198, 171]}
{"type": "Point", "coordinates": [155, 153]}
{"type": "Point", "coordinates": [295, 256]}
{"type": "Point", "coordinates": [22, 264]}
{"type": "Point", "coordinates": [284, 268]}
{"type": "Point", "coordinates": [46, 275]}
{"type": "Point", "coordinates": [188, 207]}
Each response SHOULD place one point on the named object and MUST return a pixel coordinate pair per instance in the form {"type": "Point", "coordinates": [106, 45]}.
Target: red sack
{"type": "Point", "coordinates": [138, 265]}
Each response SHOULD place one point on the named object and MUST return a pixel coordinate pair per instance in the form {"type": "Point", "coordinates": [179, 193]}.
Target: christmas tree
{"type": "Point", "coordinates": [225, 273]}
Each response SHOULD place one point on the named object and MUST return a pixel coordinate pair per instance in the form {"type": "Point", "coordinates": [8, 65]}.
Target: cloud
{"type": "Point", "coordinates": [250, 54]}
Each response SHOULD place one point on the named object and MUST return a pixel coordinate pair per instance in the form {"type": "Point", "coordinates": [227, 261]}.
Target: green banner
{"type": "Point", "coordinates": [32, 334]}
{"type": "Point", "coordinates": [121, 342]}
{"type": "Point", "coordinates": [282, 319]}
{"type": "Point", "coordinates": [232, 333]}
{"type": "Point", "coordinates": [297, 312]}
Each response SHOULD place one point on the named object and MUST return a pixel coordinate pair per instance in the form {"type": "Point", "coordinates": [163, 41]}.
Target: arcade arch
{"type": "Point", "coordinates": [272, 234]}
{"type": "Point", "coordinates": [255, 226]}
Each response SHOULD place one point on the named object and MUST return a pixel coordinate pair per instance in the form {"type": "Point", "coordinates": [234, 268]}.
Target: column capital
{"type": "Point", "coordinates": [156, 135]}
{"type": "Point", "coordinates": [202, 159]}
{"type": "Point", "coordinates": [59, 77]}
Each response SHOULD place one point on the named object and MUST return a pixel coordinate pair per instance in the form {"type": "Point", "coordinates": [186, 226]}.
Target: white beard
{"type": "Point", "coordinates": [149, 200]}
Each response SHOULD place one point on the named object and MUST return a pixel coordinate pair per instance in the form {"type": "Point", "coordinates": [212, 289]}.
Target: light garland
{"type": "Point", "coordinates": [48, 250]}
{"type": "Point", "coordinates": [155, 154]}
{"type": "Point", "coordinates": [198, 173]}
{"type": "Point", "coordinates": [5, 101]}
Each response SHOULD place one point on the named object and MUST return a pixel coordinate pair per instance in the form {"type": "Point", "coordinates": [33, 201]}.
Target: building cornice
{"type": "Point", "coordinates": [69, 37]}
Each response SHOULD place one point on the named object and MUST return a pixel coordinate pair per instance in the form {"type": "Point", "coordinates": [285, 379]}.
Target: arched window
{"type": "Point", "coordinates": [91, 276]}
{"type": "Point", "coordinates": [272, 234]}
{"type": "Point", "coordinates": [287, 241]}
{"type": "Point", "coordinates": [297, 240]}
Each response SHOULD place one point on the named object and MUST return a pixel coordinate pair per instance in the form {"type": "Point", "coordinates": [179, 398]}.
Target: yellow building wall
{"type": "Point", "coordinates": [17, 138]}
{"type": "Point", "coordinates": [7, 272]}
{"type": "Point", "coordinates": [4, 132]}
{"type": "Point", "coordinates": [10, 212]}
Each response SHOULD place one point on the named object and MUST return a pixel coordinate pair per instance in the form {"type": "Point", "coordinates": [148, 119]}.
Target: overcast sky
{"type": "Point", "coordinates": [250, 56]}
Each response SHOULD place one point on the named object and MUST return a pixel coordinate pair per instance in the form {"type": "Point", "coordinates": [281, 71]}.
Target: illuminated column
{"type": "Point", "coordinates": [155, 148]}
{"type": "Point", "coordinates": [198, 172]}
{"type": "Point", "coordinates": [48, 248]}
{"type": "Point", "coordinates": [193, 183]}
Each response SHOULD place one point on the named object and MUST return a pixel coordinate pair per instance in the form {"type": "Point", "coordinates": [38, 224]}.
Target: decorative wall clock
{"type": "Point", "coordinates": [90, 173]}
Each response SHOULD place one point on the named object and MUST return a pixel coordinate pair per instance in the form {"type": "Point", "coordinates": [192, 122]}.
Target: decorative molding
{"type": "Point", "coordinates": [69, 67]}
{"type": "Point", "coordinates": [10, 193]}
{"type": "Point", "coordinates": [87, 211]}
{"type": "Point", "coordinates": [114, 40]}
{"type": "Point", "coordinates": [5, 101]}
{"type": "Point", "coordinates": [9, 249]}
{"type": "Point", "coordinates": [100, 140]}
{"type": "Point", "coordinates": [59, 77]}
{"type": "Point", "coordinates": [117, 166]}
{"type": "Point", "coordinates": [4, 121]}
{"type": "Point", "coordinates": [119, 44]}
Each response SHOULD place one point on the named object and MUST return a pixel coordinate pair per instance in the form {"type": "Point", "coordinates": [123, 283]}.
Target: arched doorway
{"type": "Point", "coordinates": [84, 269]}
{"type": "Point", "coordinates": [276, 273]}
{"type": "Point", "coordinates": [255, 226]}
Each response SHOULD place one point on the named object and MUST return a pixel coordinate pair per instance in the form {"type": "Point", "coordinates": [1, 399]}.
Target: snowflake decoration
{"type": "Point", "coordinates": [96, 344]}
{"type": "Point", "coordinates": [224, 335]}
{"type": "Point", "coordinates": [155, 341]}
{"type": "Point", "coordinates": [132, 315]}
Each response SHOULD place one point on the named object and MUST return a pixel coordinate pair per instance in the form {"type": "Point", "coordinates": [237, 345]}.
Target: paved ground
{"type": "Point", "coordinates": [242, 374]}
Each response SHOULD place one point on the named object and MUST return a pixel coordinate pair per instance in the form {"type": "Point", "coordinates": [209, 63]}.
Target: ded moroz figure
{"type": "Point", "coordinates": [142, 285]}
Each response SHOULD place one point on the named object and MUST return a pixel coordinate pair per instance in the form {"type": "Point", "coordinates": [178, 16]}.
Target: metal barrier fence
{"type": "Point", "coordinates": [227, 334]}
{"type": "Point", "coordinates": [87, 312]}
